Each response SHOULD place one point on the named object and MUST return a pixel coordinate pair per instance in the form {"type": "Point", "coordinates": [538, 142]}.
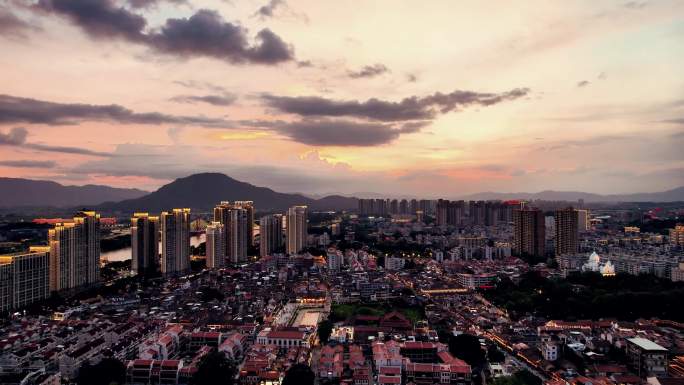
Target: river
{"type": "Point", "coordinates": [125, 253]}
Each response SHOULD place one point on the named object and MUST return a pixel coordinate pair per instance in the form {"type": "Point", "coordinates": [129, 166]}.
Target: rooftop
{"type": "Point", "coordinates": [646, 344]}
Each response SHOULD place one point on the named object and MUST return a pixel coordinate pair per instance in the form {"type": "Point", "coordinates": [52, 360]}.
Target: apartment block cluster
{"type": "Point", "coordinates": [71, 261]}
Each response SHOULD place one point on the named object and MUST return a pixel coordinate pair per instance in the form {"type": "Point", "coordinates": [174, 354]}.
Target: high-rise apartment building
{"type": "Point", "coordinates": [583, 220]}
{"type": "Point", "coordinates": [403, 207]}
{"type": "Point", "coordinates": [175, 240]}
{"type": "Point", "coordinates": [144, 243]}
{"type": "Point", "coordinates": [75, 252]}
{"type": "Point", "coordinates": [566, 231]}
{"type": "Point", "coordinates": [529, 232]}
{"type": "Point", "coordinates": [237, 219]}
{"type": "Point", "coordinates": [215, 245]}
{"type": "Point", "coordinates": [270, 233]}
{"type": "Point", "coordinates": [239, 229]}
{"type": "Point", "coordinates": [249, 206]}
{"type": "Point", "coordinates": [297, 233]}
{"type": "Point", "coordinates": [24, 278]}
{"type": "Point", "coordinates": [449, 213]}
{"type": "Point", "coordinates": [477, 212]}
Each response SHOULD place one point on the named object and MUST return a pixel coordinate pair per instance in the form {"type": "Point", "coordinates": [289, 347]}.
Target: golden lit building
{"type": "Point", "coordinates": [75, 252]}
{"type": "Point", "coordinates": [237, 220]}
{"type": "Point", "coordinates": [24, 278]}
{"type": "Point", "coordinates": [216, 248]}
{"type": "Point", "coordinates": [175, 240]}
{"type": "Point", "coordinates": [144, 243]}
{"type": "Point", "coordinates": [296, 226]}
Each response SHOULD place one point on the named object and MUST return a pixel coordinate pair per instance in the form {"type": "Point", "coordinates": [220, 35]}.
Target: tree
{"type": "Point", "coordinates": [214, 369]}
{"type": "Point", "coordinates": [299, 374]}
{"type": "Point", "coordinates": [107, 372]}
{"type": "Point", "coordinates": [324, 330]}
{"type": "Point", "coordinates": [494, 354]}
{"type": "Point", "coordinates": [521, 377]}
{"type": "Point", "coordinates": [467, 347]}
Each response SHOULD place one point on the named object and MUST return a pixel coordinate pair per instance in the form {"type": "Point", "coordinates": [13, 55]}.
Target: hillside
{"type": "Point", "coordinates": [204, 191]}
{"type": "Point", "coordinates": [17, 192]}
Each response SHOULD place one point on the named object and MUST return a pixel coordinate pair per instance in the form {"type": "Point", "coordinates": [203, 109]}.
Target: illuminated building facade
{"type": "Point", "coordinates": [75, 252]}
{"type": "Point", "coordinates": [144, 243]}
{"type": "Point", "coordinates": [216, 247]}
{"type": "Point", "coordinates": [175, 239]}
{"type": "Point", "coordinates": [24, 278]}
{"type": "Point", "coordinates": [297, 232]}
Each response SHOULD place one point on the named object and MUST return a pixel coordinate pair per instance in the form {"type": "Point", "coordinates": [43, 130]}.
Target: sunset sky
{"type": "Point", "coordinates": [422, 98]}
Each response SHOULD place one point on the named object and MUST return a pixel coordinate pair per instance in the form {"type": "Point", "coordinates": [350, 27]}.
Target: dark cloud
{"type": "Point", "coordinates": [152, 3]}
{"type": "Point", "coordinates": [583, 83]}
{"type": "Point", "coordinates": [412, 108]}
{"type": "Point", "coordinates": [411, 78]}
{"type": "Point", "coordinates": [342, 132]}
{"type": "Point", "coordinates": [368, 71]}
{"type": "Point", "coordinates": [25, 110]}
{"type": "Point", "coordinates": [17, 137]}
{"type": "Point", "coordinates": [28, 163]}
{"type": "Point", "coordinates": [674, 121]}
{"type": "Point", "coordinates": [203, 34]}
{"type": "Point", "coordinates": [12, 26]}
{"type": "Point", "coordinates": [99, 18]}
{"type": "Point", "coordinates": [206, 34]}
{"type": "Point", "coordinates": [216, 100]}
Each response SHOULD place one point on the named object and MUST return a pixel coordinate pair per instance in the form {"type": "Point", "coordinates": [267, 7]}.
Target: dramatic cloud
{"type": "Point", "coordinates": [11, 25]}
{"type": "Point", "coordinates": [206, 34]}
{"type": "Point", "coordinates": [340, 133]}
{"type": "Point", "coordinates": [368, 71]}
{"type": "Point", "coordinates": [152, 3]}
{"type": "Point", "coordinates": [412, 108]}
{"type": "Point", "coordinates": [216, 100]}
{"type": "Point", "coordinates": [336, 132]}
{"type": "Point", "coordinates": [99, 18]}
{"type": "Point", "coordinates": [17, 137]}
{"type": "Point", "coordinates": [28, 163]}
{"type": "Point", "coordinates": [203, 34]}
{"type": "Point", "coordinates": [25, 110]}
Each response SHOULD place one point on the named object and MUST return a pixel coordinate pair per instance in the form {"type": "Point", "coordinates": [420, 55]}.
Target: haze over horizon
{"type": "Point", "coordinates": [346, 97]}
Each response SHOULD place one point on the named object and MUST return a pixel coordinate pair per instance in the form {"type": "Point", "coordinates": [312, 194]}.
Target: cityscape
{"type": "Point", "coordinates": [303, 192]}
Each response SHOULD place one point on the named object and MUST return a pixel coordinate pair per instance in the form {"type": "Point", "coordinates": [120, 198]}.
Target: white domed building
{"type": "Point", "coordinates": [594, 264]}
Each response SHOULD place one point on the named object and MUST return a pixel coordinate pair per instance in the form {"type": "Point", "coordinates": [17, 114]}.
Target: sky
{"type": "Point", "coordinates": [402, 98]}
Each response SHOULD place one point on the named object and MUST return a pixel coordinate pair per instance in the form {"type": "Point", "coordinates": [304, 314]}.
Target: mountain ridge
{"type": "Point", "coordinates": [203, 191]}
{"type": "Point", "coordinates": [20, 192]}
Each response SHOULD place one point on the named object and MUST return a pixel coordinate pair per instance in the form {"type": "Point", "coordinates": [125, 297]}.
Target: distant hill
{"type": "Point", "coordinates": [674, 195]}
{"type": "Point", "coordinates": [18, 192]}
{"type": "Point", "coordinates": [204, 191]}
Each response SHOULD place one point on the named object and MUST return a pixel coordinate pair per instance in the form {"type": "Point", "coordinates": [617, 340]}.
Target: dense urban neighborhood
{"type": "Point", "coordinates": [394, 292]}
